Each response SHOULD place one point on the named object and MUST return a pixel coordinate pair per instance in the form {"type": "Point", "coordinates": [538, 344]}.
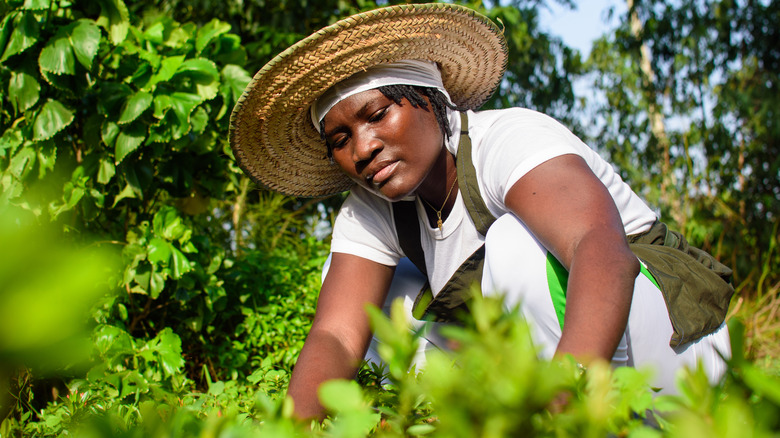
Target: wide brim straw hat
{"type": "Point", "coordinates": [271, 132]}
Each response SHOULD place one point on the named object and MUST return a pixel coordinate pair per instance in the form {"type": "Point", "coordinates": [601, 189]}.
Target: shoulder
{"type": "Point", "coordinates": [519, 126]}
{"type": "Point", "coordinates": [508, 143]}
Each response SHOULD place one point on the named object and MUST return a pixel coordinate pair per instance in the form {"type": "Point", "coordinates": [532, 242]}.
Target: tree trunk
{"type": "Point", "coordinates": [668, 192]}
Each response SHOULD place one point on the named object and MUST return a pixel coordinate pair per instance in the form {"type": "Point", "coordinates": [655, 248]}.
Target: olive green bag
{"type": "Point", "coordinates": [695, 286]}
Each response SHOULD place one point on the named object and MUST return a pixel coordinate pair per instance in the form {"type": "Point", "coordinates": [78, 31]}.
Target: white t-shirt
{"type": "Point", "coordinates": [506, 144]}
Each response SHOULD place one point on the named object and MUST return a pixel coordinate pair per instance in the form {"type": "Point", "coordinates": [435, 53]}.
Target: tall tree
{"type": "Point", "coordinates": [708, 71]}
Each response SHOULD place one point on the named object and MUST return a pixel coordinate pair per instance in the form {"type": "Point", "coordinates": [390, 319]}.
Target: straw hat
{"type": "Point", "coordinates": [271, 132]}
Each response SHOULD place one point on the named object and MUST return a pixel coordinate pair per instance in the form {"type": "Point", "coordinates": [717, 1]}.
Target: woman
{"type": "Point", "coordinates": [382, 103]}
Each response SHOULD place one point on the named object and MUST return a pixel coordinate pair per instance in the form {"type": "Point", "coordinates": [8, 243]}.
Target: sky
{"type": "Point", "coordinates": [578, 28]}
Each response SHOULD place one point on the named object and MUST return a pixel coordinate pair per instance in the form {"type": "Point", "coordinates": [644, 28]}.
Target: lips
{"type": "Point", "coordinates": [382, 174]}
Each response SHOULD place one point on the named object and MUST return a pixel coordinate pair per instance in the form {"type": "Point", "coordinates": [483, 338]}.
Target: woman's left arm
{"type": "Point", "coordinates": [573, 215]}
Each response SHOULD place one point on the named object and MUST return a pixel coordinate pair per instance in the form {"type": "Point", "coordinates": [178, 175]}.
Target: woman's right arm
{"type": "Point", "coordinates": [340, 333]}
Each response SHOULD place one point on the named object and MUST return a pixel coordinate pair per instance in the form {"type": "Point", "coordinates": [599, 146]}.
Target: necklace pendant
{"type": "Point", "coordinates": [439, 224]}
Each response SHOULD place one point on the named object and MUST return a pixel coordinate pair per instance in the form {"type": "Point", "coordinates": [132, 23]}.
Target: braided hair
{"type": "Point", "coordinates": [415, 96]}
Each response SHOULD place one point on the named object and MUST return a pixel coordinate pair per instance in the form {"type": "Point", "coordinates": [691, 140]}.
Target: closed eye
{"type": "Point", "coordinates": [378, 115]}
{"type": "Point", "coordinates": [338, 141]}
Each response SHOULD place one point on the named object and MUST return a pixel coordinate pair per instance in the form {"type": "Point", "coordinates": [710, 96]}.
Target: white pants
{"type": "Point", "coordinates": [516, 266]}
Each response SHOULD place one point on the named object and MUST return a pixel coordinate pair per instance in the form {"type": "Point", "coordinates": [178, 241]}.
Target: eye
{"type": "Point", "coordinates": [378, 115]}
{"type": "Point", "coordinates": [337, 142]}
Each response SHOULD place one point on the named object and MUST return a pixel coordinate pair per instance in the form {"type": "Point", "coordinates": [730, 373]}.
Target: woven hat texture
{"type": "Point", "coordinates": [271, 132]}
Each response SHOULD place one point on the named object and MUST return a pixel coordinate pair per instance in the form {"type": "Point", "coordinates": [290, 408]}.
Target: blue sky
{"type": "Point", "coordinates": [578, 28]}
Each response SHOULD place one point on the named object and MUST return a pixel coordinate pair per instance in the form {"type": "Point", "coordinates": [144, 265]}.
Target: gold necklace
{"type": "Point", "coordinates": [439, 223]}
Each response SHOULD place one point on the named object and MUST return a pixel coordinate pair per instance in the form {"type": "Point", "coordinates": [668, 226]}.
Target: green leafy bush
{"type": "Point", "coordinates": [492, 385]}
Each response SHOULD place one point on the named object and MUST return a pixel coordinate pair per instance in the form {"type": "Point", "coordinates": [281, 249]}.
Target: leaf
{"type": "Point", "coordinates": [155, 33]}
{"type": "Point", "coordinates": [115, 18]}
{"type": "Point", "coordinates": [110, 339]}
{"type": "Point", "coordinates": [168, 224]}
{"type": "Point", "coordinates": [341, 395]}
{"type": "Point", "coordinates": [217, 388]}
{"type": "Point", "coordinates": [106, 171]}
{"type": "Point", "coordinates": [159, 251]}
{"type": "Point", "coordinates": [168, 67]}
{"type": "Point", "coordinates": [10, 141]}
{"type": "Point", "coordinates": [156, 284]}
{"type": "Point", "coordinates": [91, 131]}
{"type": "Point", "coordinates": [109, 132]}
{"type": "Point", "coordinates": [128, 141]}
{"type": "Point", "coordinates": [65, 83]}
{"type": "Point", "coordinates": [162, 104]}
{"type": "Point", "coordinates": [420, 429]}
{"type": "Point", "coordinates": [5, 28]}
{"type": "Point", "coordinates": [199, 120]}
{"type": "Point", "coordinates": [138, 177]}
{"type": "Point", "coordinates": [135, 106]}
{"type": "Point", "coordinates": [127, 192]}
{"type": "Point", "coordinates": [234, 81]}
{"type": "Point", "coordinates": [24, 35]}
{"type": "Point", "coordinates": [47, 156]}
{"type": "Point", "coordinates": [182, 105]}
{"type": "Point", "coordinates": [85, 40]}
{"type": "Point", "coordinates": [22, 162]}
{"type": "Point", "coordinates": [181, 265]}
{"type": "Point", "coordinates": [204, 76]}
{"type": "Point", "coordinates": [230, 50]}
{"type": "Point", "coordinates": [77, 41]}
{"type": "Point", "coordinates": [53, 118]}
{"type": "Point", "coordinates": [133, 383]}
{"type": "Point", "coordinates": [208, 32]}
{"type": "Point", "coordinates": [169, 349]}
{"type": "Point", "coordinates": [111, 98]}
{"type": "Point", "coordinates": [23, 91]}
{"type": "Point", "coordinates": [72, 194]}
{"type": "Point", "coordinates": [36, 5]}
{"type": "Point", "coordinates": [57, 57]}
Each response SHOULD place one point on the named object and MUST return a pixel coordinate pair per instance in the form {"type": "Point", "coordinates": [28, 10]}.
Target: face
{"type": "Point", "coordinates": [383, 146]}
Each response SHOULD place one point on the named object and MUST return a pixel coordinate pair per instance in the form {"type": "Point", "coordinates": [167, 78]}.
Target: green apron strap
{"type": "Point", "coordinates": [453, 299]}
{"type": "Point", "coordinates": [467, 181]}
{"type": "Point", "coordinates": [407, 228]}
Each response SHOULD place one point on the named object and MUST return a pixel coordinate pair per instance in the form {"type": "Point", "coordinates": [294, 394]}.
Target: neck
{"type": "Point", "coordinates": [436, 186]}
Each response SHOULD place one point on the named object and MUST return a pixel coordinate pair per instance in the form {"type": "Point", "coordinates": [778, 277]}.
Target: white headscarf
{"type": "Point", "coordinates": [405, 72]}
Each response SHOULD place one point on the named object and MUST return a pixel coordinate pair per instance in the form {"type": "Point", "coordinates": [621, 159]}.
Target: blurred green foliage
{"type": "Point", "coordinates": [493, 385]}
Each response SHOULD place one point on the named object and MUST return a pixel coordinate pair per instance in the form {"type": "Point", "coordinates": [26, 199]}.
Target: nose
{"type": "Point", "coordinates": [366, 147]}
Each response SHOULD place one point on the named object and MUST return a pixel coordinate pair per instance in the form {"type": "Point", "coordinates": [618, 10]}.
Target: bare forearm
{"type": "Point", "coordinates": [323, 358]}
{"type": "Point", "coordinates": [600, 289]}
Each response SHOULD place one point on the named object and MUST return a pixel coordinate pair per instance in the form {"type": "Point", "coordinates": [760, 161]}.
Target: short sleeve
{"type": "Point", "coordinates": [514, 144]}
{"type": "Point", "coordinates": [364, 227]}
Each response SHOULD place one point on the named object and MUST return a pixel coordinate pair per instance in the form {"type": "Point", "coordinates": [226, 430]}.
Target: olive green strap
{"type": "Point", "coordinates": [453, 300]}
{"type": "Point", "coordinates": [407, 228]}
{"type": "Point", "coordinates": [467, 181]}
